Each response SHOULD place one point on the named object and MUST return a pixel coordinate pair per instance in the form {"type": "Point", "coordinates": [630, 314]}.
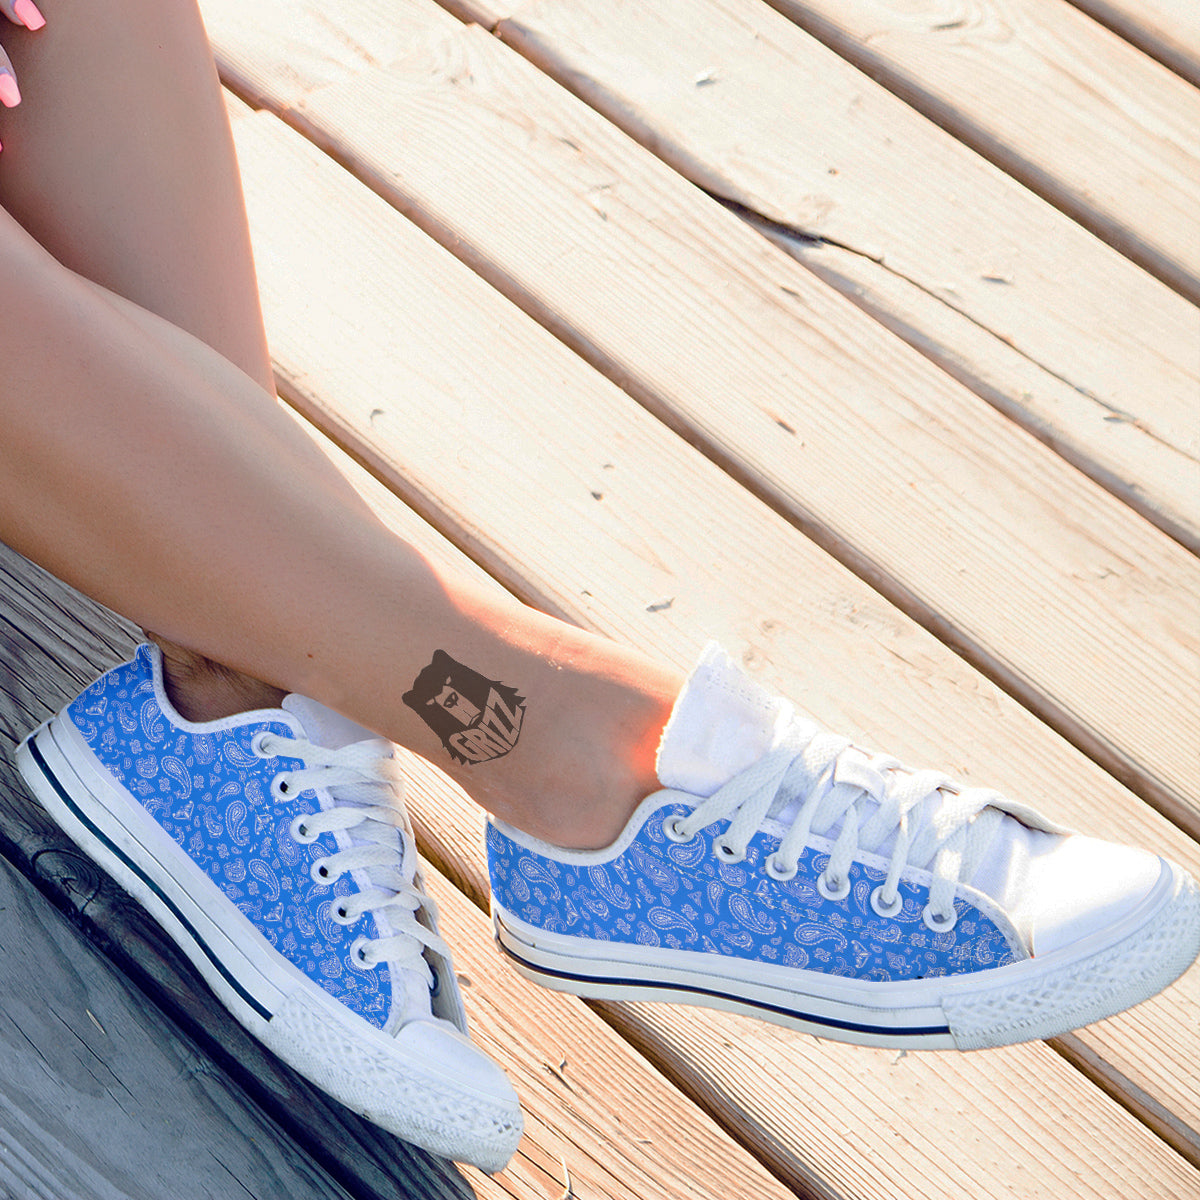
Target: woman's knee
{"type": "Point", "coordinates": [24, 262]}
{"type": "Point", "coordinates": [18, 255]}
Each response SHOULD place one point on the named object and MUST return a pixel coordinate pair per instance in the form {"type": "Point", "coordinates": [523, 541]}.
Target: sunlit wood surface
{"type": "Point", "coordinates": [861, 336]}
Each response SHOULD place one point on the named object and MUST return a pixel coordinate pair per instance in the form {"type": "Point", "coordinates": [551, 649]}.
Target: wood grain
{"type": "Point", "coordinates": [1059, 102]}
{"type": "Point", "coordinates": [412, 362]}
{"type": "Point", "coordinates": [96, 1085]}
{"type": "Point", "coordinates": [999, 288]}
{"type": "Point", "coordinates": [293, 46]}
{"type": "Point", "coordinates": [1169, 30]}
{"type": "Point", "coordinates": [926, 491]}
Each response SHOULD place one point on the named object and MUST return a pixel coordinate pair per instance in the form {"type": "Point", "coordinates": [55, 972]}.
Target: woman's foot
{"type": "Point", "coordinates": [202, 690]}
{"type": "Point", "coordinates": [784, 873]}
{"type": "Point", "coordinates": [273, 846]}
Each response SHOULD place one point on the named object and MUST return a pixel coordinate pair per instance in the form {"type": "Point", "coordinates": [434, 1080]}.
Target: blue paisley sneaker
{"type": "Point", "coordinates": [784, 873]}
{"type": "Point", "coordinates": [273, 846]}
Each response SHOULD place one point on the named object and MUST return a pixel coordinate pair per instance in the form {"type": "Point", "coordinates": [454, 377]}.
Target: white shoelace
{"type": "Point", "coordinates": [379, 844]}
{"type": "Point", "coordinates": [814, 781]}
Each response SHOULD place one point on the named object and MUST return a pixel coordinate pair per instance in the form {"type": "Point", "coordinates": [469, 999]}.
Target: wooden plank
{"type": "Point", "coordinates": [930, 494]}
{"type": "Point", "coordinates": [999, 288]}
{"type": "Point", "coordinates": [297, 46]}
{"type": "Point", "coordinates": [453, 397]}
{"type": "Point", "coordinates": [1169, 30]}
{"type": "Point", "coordinates": [1059, 102]}
{"type": "Point", "coordinates": [96, 1083]}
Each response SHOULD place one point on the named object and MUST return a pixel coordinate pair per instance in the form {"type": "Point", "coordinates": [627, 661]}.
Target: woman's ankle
{"type": "Point", "coordinates": [592, 772]}
{"type": "Point", "coordinates": [203, 690]}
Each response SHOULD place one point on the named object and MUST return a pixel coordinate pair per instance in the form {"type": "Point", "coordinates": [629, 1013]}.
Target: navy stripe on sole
{"type": "Point", "coordinates": [741, 1001]}
{"type": "Point", "coordinates": [118, 853]}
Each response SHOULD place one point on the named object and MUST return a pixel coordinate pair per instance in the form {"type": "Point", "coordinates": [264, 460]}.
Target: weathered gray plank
{"type": "Point", "coordinates": [52, 642]}
{"type": "Point", "coordinates": [101, 1098]}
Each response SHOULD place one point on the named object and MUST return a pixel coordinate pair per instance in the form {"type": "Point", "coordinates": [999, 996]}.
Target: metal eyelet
{"type": "Point", "coordinates": [360, 958]}
{"type": "Point", "coordinates": [258, 745]}
{"type": "Point", "coordinates": [281, 789]}
{"type": "Point", "coordinates": [671, 828]}
{"type": "Point", "coordinates": [727, 853]}
{"type": "Point", "coordinates": [774, 866]}
{"type": "Point", "coordinates": [300, 831]}
{"type": "Point", "coordinates": [320, 872]}
{"type": "Point", "coordinates": [883, 909]}
{"type": "Point", "coordinates": [833, 889]}
{"type": "Point", "coordinates": [939, 922]}
{"type": "Point", "coordinates": [339, 915]}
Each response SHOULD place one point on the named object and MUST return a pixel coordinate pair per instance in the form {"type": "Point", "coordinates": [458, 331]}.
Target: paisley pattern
{"type": "Point", "coordinates": [680, 896]}
{"type": "Point", "coordinates": [212, 794]}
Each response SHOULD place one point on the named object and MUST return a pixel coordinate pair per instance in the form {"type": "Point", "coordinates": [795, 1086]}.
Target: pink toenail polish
{"type": "Point", "coordinates": [28, 15]}
{"type": "Point", "coordinates": [10, 94]}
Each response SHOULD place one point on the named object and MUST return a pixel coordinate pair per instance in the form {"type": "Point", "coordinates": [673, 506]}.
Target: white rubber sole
{"type": "Point", "coordinates": [400, 1082]}
{"type": "Point", "coordinates": [1024, 1001]}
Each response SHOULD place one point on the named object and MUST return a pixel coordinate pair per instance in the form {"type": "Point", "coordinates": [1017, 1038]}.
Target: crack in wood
{"type": "Point", "coordinates": [776, 229]}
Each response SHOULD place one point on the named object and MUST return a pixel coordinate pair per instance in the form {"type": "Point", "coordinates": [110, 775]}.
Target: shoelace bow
{"type": "Point", "coordinates": [931, 821]}
{"type": "Point", "coordinates": [379, 843]}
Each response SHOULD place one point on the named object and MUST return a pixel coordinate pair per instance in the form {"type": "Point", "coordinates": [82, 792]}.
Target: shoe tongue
{"type": "Point", "coordinates": [322, 725]}
{"type": "Point", "coordinates": [722, 722]}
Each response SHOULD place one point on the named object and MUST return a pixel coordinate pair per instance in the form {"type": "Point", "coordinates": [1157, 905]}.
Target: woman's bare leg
{"type": "Point", "coordinates": [158, 476]}
{"type": "Point", "coordinates": [120, 162]}
{"type": "Point", "coordinates": [150, 208]}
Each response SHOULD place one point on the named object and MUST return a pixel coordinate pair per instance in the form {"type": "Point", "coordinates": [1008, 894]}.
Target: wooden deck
{"type": "Point", "coordinates": [858, 334]}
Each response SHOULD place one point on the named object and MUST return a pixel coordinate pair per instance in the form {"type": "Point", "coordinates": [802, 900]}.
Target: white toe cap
{"type": "Point", "coordinates": [444, 1051]}
{"type": "Point", "coordinates": [1081, 887]}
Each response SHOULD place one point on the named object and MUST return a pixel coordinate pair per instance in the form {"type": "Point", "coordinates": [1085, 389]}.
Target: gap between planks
{"type": "Point", "coordinates": [1011, 297]}
{"type": "Point", "coordinates": [1168, 30]}
{"type": "Point", "coordinates": [1050, 96]}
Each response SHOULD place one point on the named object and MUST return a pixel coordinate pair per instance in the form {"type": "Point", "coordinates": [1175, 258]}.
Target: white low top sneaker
{"type": "Point", "coordinates": [784, 873]}
{"type": "Point", "coordinates": [274, 847]}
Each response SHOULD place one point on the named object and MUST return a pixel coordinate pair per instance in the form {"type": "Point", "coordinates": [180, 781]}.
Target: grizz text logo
{"type": "Point", "coordinates": [476, 718]}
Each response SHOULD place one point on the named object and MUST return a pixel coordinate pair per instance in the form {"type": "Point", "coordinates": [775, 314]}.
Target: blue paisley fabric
{"type": "Point", "coordinates": [682, 897]}
{"type": "Point", "coordinates": [212, 794]}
